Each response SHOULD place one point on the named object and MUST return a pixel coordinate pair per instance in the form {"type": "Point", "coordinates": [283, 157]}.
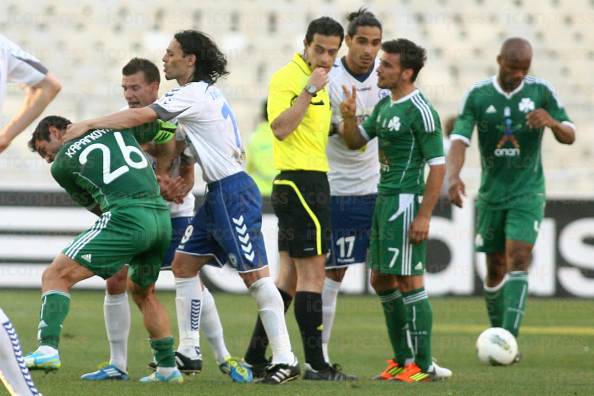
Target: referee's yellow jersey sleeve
{"type": "Point", "coordinates": [305, 147]}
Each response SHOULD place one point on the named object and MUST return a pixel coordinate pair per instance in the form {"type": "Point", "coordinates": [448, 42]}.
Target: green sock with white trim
{"type": "Point", "coordinates": [54, 308]}
{"type": "Point", "coordinates": [514, 300]}
{"type": "Point", "coordinates": [420, 323]}
{"type": "Point", "coordinates": [395, 314]}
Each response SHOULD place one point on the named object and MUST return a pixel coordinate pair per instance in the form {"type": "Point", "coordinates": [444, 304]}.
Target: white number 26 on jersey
{"type": "Point", "coordinates": [108, 175]}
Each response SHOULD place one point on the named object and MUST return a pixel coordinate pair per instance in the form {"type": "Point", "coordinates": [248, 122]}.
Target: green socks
{"type": "Point", "coordinates": [395, 314]}
{"type": "Point", "coordinates": [420, 321]}
{"type": "Point", "coordinates": [163, 350]}
{"type": "Point", "coordinates": [514, 301]}
{"type": "Point", "coordinates": [54, 308]}
{"type": "Point", "coordinates": [494, 300]}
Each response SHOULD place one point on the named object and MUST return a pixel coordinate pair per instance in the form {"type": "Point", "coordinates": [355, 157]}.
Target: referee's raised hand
{"type": "Point", "coordinates": [318, 78]}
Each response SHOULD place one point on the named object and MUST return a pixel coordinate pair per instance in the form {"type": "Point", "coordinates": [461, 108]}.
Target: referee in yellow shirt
{"type": "Point", "coordinates": [299, 114]}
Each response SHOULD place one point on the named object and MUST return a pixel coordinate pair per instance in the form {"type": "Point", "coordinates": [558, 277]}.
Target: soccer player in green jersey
{"type": "Point", "coordinates": [106, 172]}
{"type": "Point", "coordinates": [409, 137]}
{"type": "Point", "coordinates": [511, 111]}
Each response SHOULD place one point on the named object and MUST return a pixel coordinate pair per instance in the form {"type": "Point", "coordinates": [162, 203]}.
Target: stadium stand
{"type": "Point", "coordinates": [85, 43]}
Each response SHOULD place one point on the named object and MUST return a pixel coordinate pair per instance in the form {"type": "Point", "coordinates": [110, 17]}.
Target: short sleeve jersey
{"type": "Point", "coordinates": [305, 147]}
{"type": "Point", "coordinates": [353, 172]}
{"type": "Point", "coordinates": [409, 136]}
{"type": "Point", "coordinates": [108, 168]}
{"type": "Point", "coordinates": [205, 117]}
{"type": "Point", "coordinates": [17, 66]}
{"type": "Point", "coordinates": [510, 150]}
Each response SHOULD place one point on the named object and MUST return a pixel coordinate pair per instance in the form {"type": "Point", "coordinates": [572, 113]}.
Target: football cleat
{"type": "Point", "coordinates": [258, 369]}
{"type": "Point", "coordinates": [43, 361]}
{"type": "Point", "coordinates": [238, 371]}
{"type": "Point", "coordinates": [413, 373]}
{"type": "Point", "coordinates": [106, 372]}
{"type": "Point", "coordinates": [389, 372]}
{"type": "Point", "coordinates": [332, 373]}
{"type": "Point", "coordinates": [280, 373]}
{"type": "Point", "coordinates": [174, 378]}
{"type": "Point", "coordinates": [184, 364]}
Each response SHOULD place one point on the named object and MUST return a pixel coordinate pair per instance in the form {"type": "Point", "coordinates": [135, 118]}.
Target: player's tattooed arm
{"type": "Point", "coordinates": [540, 118]}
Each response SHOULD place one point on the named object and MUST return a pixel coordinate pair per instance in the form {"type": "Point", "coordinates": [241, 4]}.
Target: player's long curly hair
{"type": "Point", "coordinates": [211, 63]}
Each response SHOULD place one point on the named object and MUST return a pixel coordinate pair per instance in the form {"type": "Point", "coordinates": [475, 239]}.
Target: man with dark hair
{"type": "Point", "coordinates": [299, 114]}
{"type": "Point", "coordinates": [140, 86]}
{"type": "Point", "coordinates": [409, 137]}
{"type": "Point", "coordinates": [511, 111]}
{"type": "Point", "coordinates": [227, 227]}
{"type": "Point", "coordinates": [107, 173]}
{"type": "Point", "coordinates": [353, 175]}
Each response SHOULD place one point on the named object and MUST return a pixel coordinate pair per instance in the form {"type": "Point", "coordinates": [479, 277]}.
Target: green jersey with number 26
{"type": "Point", "coordinates": [109, 168]}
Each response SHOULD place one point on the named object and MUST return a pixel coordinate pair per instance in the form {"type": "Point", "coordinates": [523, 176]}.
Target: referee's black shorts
{"type": "Point", "coordinates": [301, 201]}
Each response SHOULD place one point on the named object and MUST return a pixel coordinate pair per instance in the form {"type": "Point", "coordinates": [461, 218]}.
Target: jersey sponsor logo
{"type": "Point", "coordinates": [526, 105]}
{"type": "Point", "coordinates": [507, 139]}
{"type": "Point", "coordinates": [491, 109]}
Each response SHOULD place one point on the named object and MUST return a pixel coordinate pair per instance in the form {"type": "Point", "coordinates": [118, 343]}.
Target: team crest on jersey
{"type": "Point", "coordinates": [526, 105]}
{"type": "Point", "coordinates": [392, 125]}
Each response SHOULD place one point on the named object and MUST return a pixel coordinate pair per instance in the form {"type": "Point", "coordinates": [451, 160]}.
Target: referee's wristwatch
{"type": "Point", "coordinates": [311, 89]}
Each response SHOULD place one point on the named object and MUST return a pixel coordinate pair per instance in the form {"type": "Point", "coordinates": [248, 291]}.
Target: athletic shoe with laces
{"type": "Point", "coordinates": [280, 373]}
{"type": "Point", "coordinates": [332, 373]}
{"type": "Point", "coordinates": [413, 373]}
{"type": "Point", "coordinates": [174, 378]}
{"type": "Point", "coordinates": [237, 370]}
{"type": "Point", "coordinates": [389, 372]}
{"type": "Point", "coordinates": [184, 364]}
{"type": "Point", "coordinates": [106, 372]}
{"type": "Point", "coordinates": [43, 361]}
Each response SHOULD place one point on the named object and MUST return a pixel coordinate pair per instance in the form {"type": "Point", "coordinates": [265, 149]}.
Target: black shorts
{"type": "Point", "coordinates": [301, 201]}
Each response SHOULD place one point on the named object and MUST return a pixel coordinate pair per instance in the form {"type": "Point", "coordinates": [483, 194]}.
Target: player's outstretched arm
{"type": "Point", "coordinates": [419, 229]}
{"type": "Point", "coordinates": [36, 100]}
{"type": "Point", "coordinates": [128, 118]}
{"type": "Point", "coordinates": [455, 161]}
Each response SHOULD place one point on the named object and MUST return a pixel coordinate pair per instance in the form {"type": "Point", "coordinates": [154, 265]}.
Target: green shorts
{"type": "Point", "coordinates": [519, 221]}
{"type": "Point", "coordinates": [390, 251]}
{"type": "Point", "coordinates": [138, 236]}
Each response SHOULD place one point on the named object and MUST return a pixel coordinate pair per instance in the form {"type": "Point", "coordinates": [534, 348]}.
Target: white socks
{"type": "Point", "coordinates": [272, 314]}
{"type": "Point", "coordinates": [116, 311]}
{"type": "Point", "coordinates": [188, 304]}
{"type": "Point", "coordinates": [212, 328]}
{"type": "Point", "coordinates": [12, 365]}
{"type": "Point", "coordinates": [329, 296]}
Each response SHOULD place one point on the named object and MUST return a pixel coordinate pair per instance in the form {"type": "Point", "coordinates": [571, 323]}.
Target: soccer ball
{"type": "Point", "coordinates": [497, 346]}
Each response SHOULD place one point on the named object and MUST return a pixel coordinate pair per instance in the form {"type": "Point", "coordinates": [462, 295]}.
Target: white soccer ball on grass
{"type": "Point", "coordinates": [497, 347]}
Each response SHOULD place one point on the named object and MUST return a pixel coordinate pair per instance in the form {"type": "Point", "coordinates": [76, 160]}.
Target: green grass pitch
{"type": "Point", "coordinates": [557, 342]}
